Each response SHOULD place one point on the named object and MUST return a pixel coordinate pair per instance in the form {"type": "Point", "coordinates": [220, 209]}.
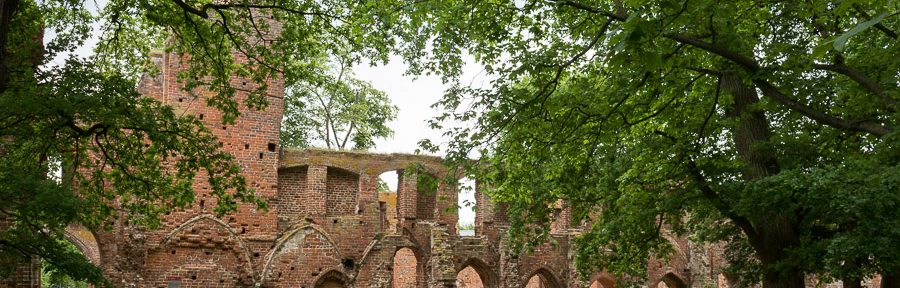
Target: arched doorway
{"type": "Point", "coordinates": [602, 280]}
{"type": "Point", "coordinates": [476, 274]}
{"type": "Point", "coordinates": [332, 279]}
{"type": "Point", "coordinates": [388, 185]}
{"type": "Point", "coordinates": [469, 278]}
{"type": "Point", "coordinates": [671, 280]}
{"type": "Point", "coordinates": [406, 266]}
{"type": "Point", "coordinates": [542, 279]}
{"type": "Point", "coordinates": [79, 240]}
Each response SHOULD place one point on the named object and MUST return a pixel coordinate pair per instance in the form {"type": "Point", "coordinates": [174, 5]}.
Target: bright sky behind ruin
{"type": "Point", "coordinates": [414, 96]}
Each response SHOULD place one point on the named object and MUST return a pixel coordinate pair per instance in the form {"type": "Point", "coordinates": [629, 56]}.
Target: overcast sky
{"type": "Point", "coordinates": [414, 96]}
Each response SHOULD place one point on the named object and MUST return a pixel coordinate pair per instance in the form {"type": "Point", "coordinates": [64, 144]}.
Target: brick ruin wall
{"type": "Point", "coordinates": [328, 225]}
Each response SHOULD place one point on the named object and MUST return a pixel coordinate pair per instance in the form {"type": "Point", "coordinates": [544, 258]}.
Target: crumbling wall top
{"type": "Point", "coordinates": [359, 161]}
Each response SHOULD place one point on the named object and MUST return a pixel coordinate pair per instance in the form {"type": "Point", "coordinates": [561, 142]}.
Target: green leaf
{"type": "Point", "coordinates": [841, 41]}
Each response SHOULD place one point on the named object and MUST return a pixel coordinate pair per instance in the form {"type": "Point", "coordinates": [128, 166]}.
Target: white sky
{"type": "Point", "coordinates": [414, 96]}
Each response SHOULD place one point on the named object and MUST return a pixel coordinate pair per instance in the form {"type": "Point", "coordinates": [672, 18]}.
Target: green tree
{"type": "Point", "coordinates": [51, 277]}
{"type": "Point", "coordinates": [333, 109]}
{"type": "Point", "coordinates": [768, 125]}
{"type": "Point", "coordinates": [80, 144]}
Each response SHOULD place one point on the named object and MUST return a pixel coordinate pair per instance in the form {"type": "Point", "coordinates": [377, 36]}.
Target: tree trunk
{"type": "Point", "coordinates": [890, 280]}
{"type": "Point", "coordinates": [776, 231]}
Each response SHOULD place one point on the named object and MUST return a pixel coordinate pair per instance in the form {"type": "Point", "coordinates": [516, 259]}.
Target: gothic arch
{"type": "Point", "coordinates": [283, 242]}
{"type": "Point", "coordinates": [166, 241]}
{"type": "Point", "coordinates": [332, 279]}
{"type": "Point", "coordinates": [602, 280]}
{"type": "Point", "coordinates": [546, 278]}
{"type": "Point", "coordinates": [194, 264]}
{"type": "Point", "coordinates": [487, 276]}
{"type": "Point", "coordinates": [85, 241]}
{"type": "Point", "coordinates": [671, 280]}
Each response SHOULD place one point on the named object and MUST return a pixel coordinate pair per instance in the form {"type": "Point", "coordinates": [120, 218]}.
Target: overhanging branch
{"type": "Point", "coordinates": [866, 126]}
{"type": "Point", "coordinates": [750, 65]}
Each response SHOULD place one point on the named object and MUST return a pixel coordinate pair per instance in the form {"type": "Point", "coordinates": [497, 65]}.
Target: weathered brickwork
{"type": "Point", "coordinates": [328, 225]}
{"type": "Point", "coordinates": [342, 190]}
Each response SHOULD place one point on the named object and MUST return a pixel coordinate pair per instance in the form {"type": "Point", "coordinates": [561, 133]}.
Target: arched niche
{"type": "Point", "coordinates": [290, 262]}
{"type": "Point", "coordinates": [292, 186]}
{"type": "Point", "coordinates": [670, 280]}
{"type": "Point", "coordinates": [332, 279]}
{"type": "Point", "coordinates": [542, 278]}
{"type": "Point", "coordinates": [85, 241]}
{"type": "Point", "coordinates": [476, 274]}
{"type": "Point", "coordinates": [407, 270]}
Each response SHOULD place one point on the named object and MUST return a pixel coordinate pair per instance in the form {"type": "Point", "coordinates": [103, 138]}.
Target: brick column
{"type": "Point", "coordinates": [489, 215]}
{"type": "Point", "coordinates": [483, 208]}
{"type": "Point", "coordinates": [315, 190]}
{"type": "Point", "coordinates": [445, 206]}
{"type": "Point", "coordinates": [562, 218]}
{"type": "Point", "coordinates": [368, 188]}
{"type": "Point", "coordinates": [407, 195]}
{"type": "Point", "coordinates": [443, 272]}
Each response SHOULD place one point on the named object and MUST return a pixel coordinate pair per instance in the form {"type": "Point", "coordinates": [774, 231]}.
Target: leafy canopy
{"type": "Point", "coordinates": [718, 120]}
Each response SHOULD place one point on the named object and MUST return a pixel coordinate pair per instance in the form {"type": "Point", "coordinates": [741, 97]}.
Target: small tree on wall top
{"type": "Point", "coordinates": [334, 109]}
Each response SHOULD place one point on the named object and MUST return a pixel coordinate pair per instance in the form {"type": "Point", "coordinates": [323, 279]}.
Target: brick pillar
{"type": "Point", "coordinates": [490, 216]}
{"type": "Point", "coordinates": [443, 272]}
{"type": "Point", "coordinates": [509, 263]}
{"type": "Point", "coordinates": [482, 209]}
{"type": "Point", "coordinates": [316, 190]}
{"type": "Point", "coordinates": [445, 206]}
{"type": "Point", "coordinates": [368, 188]}
{"type": "Point", "coordinates": [368, 206]}
{"type": "Point", "coordinates": [407, 195]}
{"type": "Point", "coordinates": [561, 218]}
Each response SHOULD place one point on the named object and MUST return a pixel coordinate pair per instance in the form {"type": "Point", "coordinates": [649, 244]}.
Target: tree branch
{"type": "Point", "coordinates": [746, 62]}
{"type": "Point", "coordinates": [711, 195]}
{"type": "Point", "coordinates": [202, 11]}
{"type": "Point", "coordinates": [752, 66]}
{"type": "Point", "coordinates": [860, 78]}
{"type": "Point", "coordinates": [866, 126]}
{"type": "Point", "coordinates": [884, 29]}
